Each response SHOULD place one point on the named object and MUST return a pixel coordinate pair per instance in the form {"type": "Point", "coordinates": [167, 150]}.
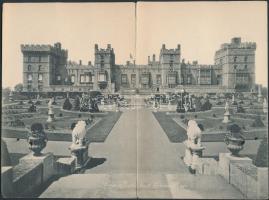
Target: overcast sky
{"type": "Point", "coordinates": [199, 27]}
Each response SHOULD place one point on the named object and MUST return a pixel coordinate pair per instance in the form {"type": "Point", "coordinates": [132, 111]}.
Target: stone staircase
{"type": "Point", "coordinates": [149, 185]}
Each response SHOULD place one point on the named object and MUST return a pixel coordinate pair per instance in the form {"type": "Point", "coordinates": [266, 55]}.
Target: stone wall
{"type": "Point", "coordinates": [240, 172]}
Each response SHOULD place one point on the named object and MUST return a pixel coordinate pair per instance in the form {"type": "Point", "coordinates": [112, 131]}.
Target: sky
{"type": "Point", "coordinates": [140, 30]}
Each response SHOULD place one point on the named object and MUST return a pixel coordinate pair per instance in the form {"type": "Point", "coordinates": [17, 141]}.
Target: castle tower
{"type": "Point", "coordinates": [104, 64]}
{"type": "Point", "coordinates": [43, 65]}
{"type": "Point", "coordinates": [170, 64]}
{"type": "Point", "coordinates": [237, 61]}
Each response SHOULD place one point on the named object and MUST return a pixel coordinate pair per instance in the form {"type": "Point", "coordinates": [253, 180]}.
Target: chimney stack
{"type": "Point", "coordinates": [109, 46]}
{"type": "Point", "coordinates": [178, 46]}
{"type": "Point", "coordinates": [80, 62]}
{"type": "Point", "coordinates": [153, 58]}
{"type": "Point", "coordinates": [148, 59]}
{"type": "Point", "coordinates": [96, 46]}
{"type": "Point", "coordinates": [128, 62]}
{"type": "Point", "coordinates": [89, 63]}
{"type": "Point", "coordinates": [163, 47]}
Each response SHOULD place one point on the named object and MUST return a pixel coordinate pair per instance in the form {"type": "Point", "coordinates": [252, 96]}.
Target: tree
{"type": "Point", "coordinates": [76, 105]}
{"type": "Point", "coordinates": [67, 105]}
{"type": "Point", "coordinates": [6, 91]}
{"type": "Point", "coordinates": [18, 87]}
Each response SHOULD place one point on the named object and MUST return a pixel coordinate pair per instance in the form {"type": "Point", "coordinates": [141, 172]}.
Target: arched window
{"type": "Point", "coordinates": [245, 58]}
{"type": "Point", "coordinates": [235, 58]}
{"type": "Point", "coordinates": [29, 67]}
{"type": "Point", "coordinates": [235, 66]}
{"type": "Point", "coordinates": [246, 66]}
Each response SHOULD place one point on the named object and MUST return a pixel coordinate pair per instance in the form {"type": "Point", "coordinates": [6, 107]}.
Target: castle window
{"type": "Point", "coordinates": [40, 87]}
{"type": "Point", "coordinates": [73, 79]}
{"type": "Point", "coordinates": [246, 59]}
{"type": "Point", "coordinates": [58, 78]}
{"type": "Point", "coordinates": [158, 79]}
{"type": "Point", "coordinates": [29, 58]}
{"type": "Point", "coordinates": [39, 58]}
{"type": "Point", "coordinates": [82, 79]}
{"type": "Point", "coordinates": [39, 67]}
{"type": "Point", "coordinates": [221, 61]}
{"type": "Point", "coordinates": [124, 78]}
{"type": "Point", "coordinates": [133, 79]}
{"type": "Point", "coordinates": [246, 66]}
{"type": "Point", "coordinates": [40, 77]}
{"type": "Point", "coordinates": [235, 58]}
{"type": "Point", "coordinates": [29, 67]}
{"type": "Point", "coordinates": [29, 77]}
{"type": "Point", "coordinates": [29, 87]}
{"type": "Point", "coordinates": [235, 66]}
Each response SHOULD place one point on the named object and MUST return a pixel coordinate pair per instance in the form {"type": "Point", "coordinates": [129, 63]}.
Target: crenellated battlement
{"type": "Point", "coordinates": [56, 49]}
{"type": "Point", "coordinates": [100, 50]}
{"type": "Point", "coordinates": [237, 44]}
{"type": "Point", "coordinates": [170, 51]}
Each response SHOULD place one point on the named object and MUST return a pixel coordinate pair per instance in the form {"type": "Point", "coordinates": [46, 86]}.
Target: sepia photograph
{"type": "Point", "coordinates": [135, 100]}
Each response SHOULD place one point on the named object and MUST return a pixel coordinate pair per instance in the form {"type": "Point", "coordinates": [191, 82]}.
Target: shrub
{"type": "Point", "coordinates": [76, 105]}
{"type": "Point", "coordinates": [258, 122]}
{"type": "Point", "coordinates": [206, 106]}
{"type": "Point", "coordinates": [201, 127]}
{"type": "Point", "coordinates": [32, 108]}
{"type": "Point", "coordinates": [262, 154]}
{"type": "Point", "coordinates": [67, 104]}
{"type": "Point", "coordinates": [234, 131]}
{"type": "Point", "coordinates": [38, 103]}
{"type": "Point", "coordinates": [73, 125]}
{"type": "Point", "coordinates": [240, 109]}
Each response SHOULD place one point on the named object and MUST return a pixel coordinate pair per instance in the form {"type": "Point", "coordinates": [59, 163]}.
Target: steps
{"type": "Point", "coordinates": [129, 185]}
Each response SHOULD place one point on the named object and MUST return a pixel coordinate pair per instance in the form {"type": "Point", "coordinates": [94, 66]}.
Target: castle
{"type": "Point", "coordinates": [46, 69]}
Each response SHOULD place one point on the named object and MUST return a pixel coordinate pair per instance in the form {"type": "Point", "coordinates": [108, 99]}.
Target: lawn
{"type": "Point", "coordinates": [177, 134]}
{"type": "Point", "coordinates": [97, 133]}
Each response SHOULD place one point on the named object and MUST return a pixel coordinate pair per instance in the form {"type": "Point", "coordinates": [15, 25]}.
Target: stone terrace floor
{"type": "Point", "coordinates": [138, 161]}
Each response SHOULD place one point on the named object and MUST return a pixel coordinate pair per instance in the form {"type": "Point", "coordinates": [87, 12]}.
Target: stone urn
{"type": "Point", "coordinates": [234, 139]}
{"type": "Point", "coordinates": [37, 139]}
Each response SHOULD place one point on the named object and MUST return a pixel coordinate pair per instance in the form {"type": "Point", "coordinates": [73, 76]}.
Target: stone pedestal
{"type": "Point", "coordinates": [227, 117]}
{"type": "Point", "coordinates": [51, 116]}
{"type": "Point", "coordinates": [192, 154]}
{"type": "Point", "coordinates": [262, 186]}
{"type": "Point", "coordinates": [6, 181]}
{"type": "Point", "coordinates": [66, 165]}
{"type": "Point", "coordinates": [225, 160]}
{"type": "Point", "coordinates": [47, 161]}
{"type": "Point", "coordinates": [80, 153]}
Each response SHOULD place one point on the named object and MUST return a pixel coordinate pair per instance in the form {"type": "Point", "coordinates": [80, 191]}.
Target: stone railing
{"type": "Point", "coordinates": [240, 172]}
{"type": "Point", "coordinates": [28, 176]}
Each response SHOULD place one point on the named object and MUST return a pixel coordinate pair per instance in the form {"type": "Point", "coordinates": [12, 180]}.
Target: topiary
{"type": "Point", "coordinates": [262, 154]}
{"type": "Point", "coordinates": [67, 104]}
{"type": "Point", "coordinates": [76, 105]}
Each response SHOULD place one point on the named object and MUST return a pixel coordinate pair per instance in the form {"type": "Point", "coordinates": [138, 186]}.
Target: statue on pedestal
{"type": "Point", "coordinates": [50, 112]}
{"type": "Point", "coordinates": [227, 115]}
{"type": "Point", "coordinates": [80, 145]}
{"type": "Point", "coordinates": [193, 146]}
